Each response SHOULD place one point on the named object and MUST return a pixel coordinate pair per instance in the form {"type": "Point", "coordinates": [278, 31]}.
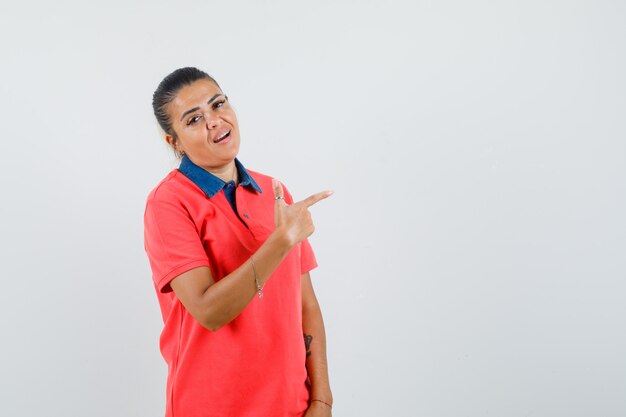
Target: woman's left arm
{"type": "Point", "coordinates": [315, 343]}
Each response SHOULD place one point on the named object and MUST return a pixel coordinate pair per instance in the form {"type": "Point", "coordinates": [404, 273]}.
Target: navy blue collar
{"type": "Point", "coordinates": [211, 184]}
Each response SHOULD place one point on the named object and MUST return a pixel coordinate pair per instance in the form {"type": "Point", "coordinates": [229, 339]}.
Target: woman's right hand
{"type": "Point", "coordinates": [294, 221]}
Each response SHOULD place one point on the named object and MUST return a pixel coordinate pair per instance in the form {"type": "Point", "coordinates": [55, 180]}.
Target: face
{"type": "Point", "coordinates": [205, 125]}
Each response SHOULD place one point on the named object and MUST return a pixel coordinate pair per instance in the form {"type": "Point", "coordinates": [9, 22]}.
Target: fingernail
{"type": "Point", "coordinates": [274, 182]}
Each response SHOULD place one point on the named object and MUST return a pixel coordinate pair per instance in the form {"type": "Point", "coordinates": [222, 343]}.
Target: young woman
{"type": "Point", "coordinates": [243, 332]}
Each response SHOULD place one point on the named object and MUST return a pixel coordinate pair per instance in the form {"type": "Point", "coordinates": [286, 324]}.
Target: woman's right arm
{"type": "Point", "coordinates": [214, 304]}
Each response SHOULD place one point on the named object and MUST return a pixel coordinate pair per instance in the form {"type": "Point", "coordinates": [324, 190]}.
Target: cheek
{"type": "Point", "coordinates": [191, 138]}
{"type": "Point", "coordinates": [231, 117]}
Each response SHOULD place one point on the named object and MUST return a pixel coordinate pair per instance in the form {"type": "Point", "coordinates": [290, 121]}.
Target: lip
{"type": "Point", "coordinates": [223, 141]}
{"type": "Point", "coordinates": [221, 133]}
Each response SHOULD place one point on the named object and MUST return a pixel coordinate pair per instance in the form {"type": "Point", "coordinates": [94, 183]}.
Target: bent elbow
{"type": "Point", "coordinates": [211, 318]}
{"type": "Point", "coordinates": [210, 322]}
{"type": "Point", "coordinates": [212, 327]}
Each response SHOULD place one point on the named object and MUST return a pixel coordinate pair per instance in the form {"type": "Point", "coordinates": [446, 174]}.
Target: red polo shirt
{"type": "Point", "coordinates": [255, 365]}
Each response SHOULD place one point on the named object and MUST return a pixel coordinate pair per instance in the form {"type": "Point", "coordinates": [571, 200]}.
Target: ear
{"type": "Point", "coordinates": [172, 141]}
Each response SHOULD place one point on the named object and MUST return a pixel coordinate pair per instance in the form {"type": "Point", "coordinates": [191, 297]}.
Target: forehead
{"type": "Point", "coordinates": [193, 95]}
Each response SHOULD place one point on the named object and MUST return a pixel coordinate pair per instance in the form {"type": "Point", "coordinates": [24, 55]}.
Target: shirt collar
{"type": "Point", "coordinates": [209, 183]}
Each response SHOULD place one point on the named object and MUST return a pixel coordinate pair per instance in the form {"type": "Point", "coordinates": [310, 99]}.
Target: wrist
{"type": "Point", "coordinates": [281, 240]}
{"type": "Point", "coordinates": [324, 396]}
{"type": "Point", "coordinates": [322, 403]}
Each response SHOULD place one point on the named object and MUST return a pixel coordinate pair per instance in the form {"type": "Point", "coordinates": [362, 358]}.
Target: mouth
{"type": "Point", "coordinates": [221, 136]}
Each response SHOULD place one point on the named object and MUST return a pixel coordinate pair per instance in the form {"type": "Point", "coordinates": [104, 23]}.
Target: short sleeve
{"type": "Point", "coordinates": [307, 256]}
{"type": "Point", "coordinates": [171, 241]}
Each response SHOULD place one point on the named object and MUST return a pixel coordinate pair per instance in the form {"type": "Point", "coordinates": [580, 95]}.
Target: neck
{"type": "Point", "coordinates": [225, 173]}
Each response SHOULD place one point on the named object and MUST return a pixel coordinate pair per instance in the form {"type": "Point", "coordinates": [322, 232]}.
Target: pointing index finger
{"type": "Point", "coordinates": [309, 201]}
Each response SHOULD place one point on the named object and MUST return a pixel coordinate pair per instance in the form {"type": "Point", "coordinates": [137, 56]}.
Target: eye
{"type": "Point", "coordinates": [219, 103]}
{"type": "Point", "coordinates": [193, 120]}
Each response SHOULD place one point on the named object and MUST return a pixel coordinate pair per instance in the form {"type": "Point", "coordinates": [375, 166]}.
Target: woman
{"type": "Point", "coordinates": [230, 260]}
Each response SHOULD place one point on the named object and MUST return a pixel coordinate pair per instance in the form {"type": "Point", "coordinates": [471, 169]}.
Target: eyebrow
{"type": "Point", "coordinates": [198, 108]}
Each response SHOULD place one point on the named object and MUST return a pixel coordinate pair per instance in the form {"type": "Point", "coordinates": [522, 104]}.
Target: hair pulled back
{"type": "Point", "coordinates": [167, 90]}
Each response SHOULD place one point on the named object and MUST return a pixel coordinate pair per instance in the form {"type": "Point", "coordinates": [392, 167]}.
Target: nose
{"type": "Point", "coordinates": [211, 121]}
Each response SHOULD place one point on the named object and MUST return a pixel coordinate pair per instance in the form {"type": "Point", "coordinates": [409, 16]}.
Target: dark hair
{"type": "Point", "coordinates": [167, 90]}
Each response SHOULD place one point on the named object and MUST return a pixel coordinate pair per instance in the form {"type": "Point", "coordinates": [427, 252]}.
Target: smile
{"type": "Point", "coordinates": [222, 136]}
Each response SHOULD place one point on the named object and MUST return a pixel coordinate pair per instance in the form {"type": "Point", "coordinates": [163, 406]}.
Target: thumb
{"type": "Point", "coordinates": [278, 190]}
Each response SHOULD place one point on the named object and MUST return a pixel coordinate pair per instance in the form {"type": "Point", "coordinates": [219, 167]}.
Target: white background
{"type": "Point", "coordinates": [472, 260]}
